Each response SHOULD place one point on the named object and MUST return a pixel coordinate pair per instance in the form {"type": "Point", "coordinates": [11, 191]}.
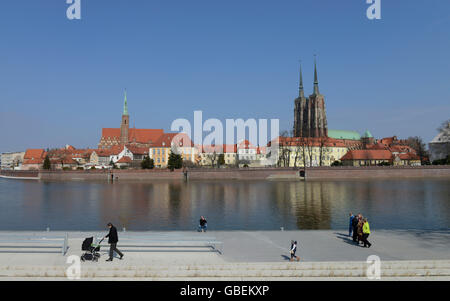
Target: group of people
{"type": "Point", "coordinates": [359, 229]}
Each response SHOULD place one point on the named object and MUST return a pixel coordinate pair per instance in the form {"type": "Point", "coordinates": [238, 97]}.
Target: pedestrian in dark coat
{"type": "Point", "coordinates": [113, 239]}
{"type": "Point", "coordinates": [355, 227]}
{"type": "Point", "coordinates": [350, 226]}
{"type": "Point", "coordinates": [292, 250]}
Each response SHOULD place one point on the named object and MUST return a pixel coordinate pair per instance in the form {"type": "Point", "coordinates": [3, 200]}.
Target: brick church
{"type": "Point", "coordinates": [310, 119]}
{"type": "Point", "coordinates": [126, 135]}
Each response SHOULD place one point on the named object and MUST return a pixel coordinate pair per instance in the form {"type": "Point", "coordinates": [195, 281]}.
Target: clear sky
{"type": "Point", "coordinates": [61, 81]}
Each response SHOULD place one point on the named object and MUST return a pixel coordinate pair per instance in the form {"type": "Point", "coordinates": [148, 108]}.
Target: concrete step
{"type": "Point", "coordinates": [246, 270]}
{"type": "Point", "coordinates": [216, 274]}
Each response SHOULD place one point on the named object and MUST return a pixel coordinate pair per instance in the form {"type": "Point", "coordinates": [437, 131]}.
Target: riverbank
{"type": "Point", "coordinates": [248, 255]}
{"type": "Point", "coordinates": [312, 173]}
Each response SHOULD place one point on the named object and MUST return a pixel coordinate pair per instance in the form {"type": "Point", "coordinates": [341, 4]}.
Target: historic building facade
{"type": "Point", "coordinates": [310, 118]}
{"type": "Point", "coordinates": [440, 145]}
{"type": "Point", "coordinates": [126, 135]}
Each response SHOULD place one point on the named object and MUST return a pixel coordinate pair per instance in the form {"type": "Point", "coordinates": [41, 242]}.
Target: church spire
{"type": "Point", "coordinates": [125, 104]}
{"type": "Point", "coordinates": [301, 93]}
{"type": "Point", "coordinates": [316, 82]}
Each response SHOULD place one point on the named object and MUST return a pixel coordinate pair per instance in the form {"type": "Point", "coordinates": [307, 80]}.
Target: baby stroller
{"type": "Point", "coordinates": [92, 250]}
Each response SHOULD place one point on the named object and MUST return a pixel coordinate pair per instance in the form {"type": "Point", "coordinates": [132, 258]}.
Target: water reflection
{"type": "Point", "coordinates": [253, 205]}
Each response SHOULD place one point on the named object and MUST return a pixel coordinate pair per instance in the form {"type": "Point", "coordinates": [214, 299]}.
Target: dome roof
{"type": "Point", "coordinates": [348, 135]}
{"type": "Point", "coordinates": [367, 134]}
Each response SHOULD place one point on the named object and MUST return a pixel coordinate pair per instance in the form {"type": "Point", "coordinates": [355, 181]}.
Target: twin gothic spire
{"type": "Point", "coordinates": [316, 81]}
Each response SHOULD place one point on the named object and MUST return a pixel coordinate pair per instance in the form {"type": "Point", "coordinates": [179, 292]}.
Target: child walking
{"type": "Point", "coordinates": [293, 250]}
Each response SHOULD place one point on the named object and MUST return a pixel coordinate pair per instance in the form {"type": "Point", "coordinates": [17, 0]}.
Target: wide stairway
{"type": "Point", "coordinates": [439, 269]}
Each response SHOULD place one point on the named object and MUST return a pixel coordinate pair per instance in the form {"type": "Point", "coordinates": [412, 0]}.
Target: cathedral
{"type": "Point", "coordinates": [310, 119]}
{"type": "Point", "coordinates": [126, 135]}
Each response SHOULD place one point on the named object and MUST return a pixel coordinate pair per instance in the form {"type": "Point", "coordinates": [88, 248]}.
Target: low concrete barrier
{"type": "Point", "coordinates": [34, 243]}
{"type": "Point", "coordinates": [20, 174]}
{"type": "Point", "coordinates": [154, 242]}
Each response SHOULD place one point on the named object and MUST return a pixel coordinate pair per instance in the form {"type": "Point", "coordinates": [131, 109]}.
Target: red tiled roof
{"type": "Point", "coordinates": [34, 156]}
{"type": "Point", "coordinates": [140, 135]}
{"type": "Point", "coordinates": [34, 153]}
{"type": "Point", "coordinates": [65, 160]}
{"type": "Point", "coordinates": [408, 156]}
{"type": "Point", "coordinates": [137, 150]}
{"type": "Point", "coordinates": [210, 148]}
{"type": "Point", "coordinates": [110, 132]}
{"type": "Point", "coordinates": [33, 161]}
{"type": "Point", "coordinates": [230, 148]}
{"type": "Point", "coordinates": [246, 145]}
{"type": "Point", "coordinates": [124, 159]}
{"type": "Point", "coordinates": [388, 140]}
{"type": "Point", "coordinates": [376, 146]}
{"type": "Point", "coordinates": [103, 152]}
{"type": "Point", "coordinates": [367, 155]}
{"type": "Point", "coordinates": [116, 149]}
{"type": "Point", "coordinates": [166, 140]}
{"type": "Point", "coordinates": [402, 149]}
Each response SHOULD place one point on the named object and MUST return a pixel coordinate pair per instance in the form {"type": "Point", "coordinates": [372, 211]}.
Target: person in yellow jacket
{"type": "Point", "coordinates": [366, 232]}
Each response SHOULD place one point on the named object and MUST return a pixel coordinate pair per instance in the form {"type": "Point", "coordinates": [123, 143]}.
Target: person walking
{"type": "Point", "coordinates": [293, 250]}
{"type": "Point", "coordinates": [360, 228]}
{"type": "Point", "coordinates": [203, 224]}
{"type": "Point", "coordinates": [113, 238]}
{"type": "Point", "coordinates": [366, 233]}
{"type": "Point", "coordinates": [355, 227]}
{"type": "Point", "coordinates": [350, 226]}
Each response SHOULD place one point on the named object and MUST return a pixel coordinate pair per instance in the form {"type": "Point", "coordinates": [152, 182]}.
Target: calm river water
{"type": "Point", "coordinates": [227, 205]}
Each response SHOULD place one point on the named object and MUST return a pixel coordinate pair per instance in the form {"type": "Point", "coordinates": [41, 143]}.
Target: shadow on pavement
{"type": "Point", "coordinates": [345, 238]}
{"type": "Point", "coordinates": [285, 257]}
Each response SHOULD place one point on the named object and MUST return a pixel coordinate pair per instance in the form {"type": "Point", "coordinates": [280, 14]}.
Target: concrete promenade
{"type": "Point", "coordinates": [312, 173]}
{"type": "Point", "coordinates": [248, 255]}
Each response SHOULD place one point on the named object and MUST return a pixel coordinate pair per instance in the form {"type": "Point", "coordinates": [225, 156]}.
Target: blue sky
{"type": "Point", "coordinates": [61, 81]}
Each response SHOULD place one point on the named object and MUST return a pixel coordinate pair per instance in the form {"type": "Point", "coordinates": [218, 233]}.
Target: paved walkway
{"type": "Point", "coordinates": [260, 246]}
{"type": "Point", "coordinates": [241, 249]}
{"type": "Point", "coordinates": [330, 245]}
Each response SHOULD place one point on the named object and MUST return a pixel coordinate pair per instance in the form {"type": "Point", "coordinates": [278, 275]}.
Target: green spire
{"type": "Point", "coordinates": [125, 104]}
{"type": "Point", "coordinates": [367, 134]}
{"type": "Point", "coordinates": [316, 82]}
{"type": "Point", "coordinates": [301, 92]}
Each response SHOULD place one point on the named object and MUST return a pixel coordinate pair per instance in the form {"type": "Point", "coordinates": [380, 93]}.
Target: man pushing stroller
{"type": "Point", "coordinates": [113, 238]}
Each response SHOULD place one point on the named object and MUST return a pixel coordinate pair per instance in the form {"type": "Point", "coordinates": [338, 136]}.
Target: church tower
{"type": "Point", "coordinates": [300, 109]}
{"type": "Point", "coordinates": [310, 119]}
{"type": "Point", "coordinates": [125, 124]}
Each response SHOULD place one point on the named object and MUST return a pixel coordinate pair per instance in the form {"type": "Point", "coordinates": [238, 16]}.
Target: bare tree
{"type": "Point", "coordinates": [297, 152]}
{"type": "Point", "coordinates": [301, 150]}
{"type": "Point", "coordinates": [285, 152]}
{"type": "Point", "coordinates": [445, 128]}
{"type": "Point", "coordinates": [309, 146]}
{"type": "Point", "coordinates": [213, 158]}
{"type": "Point", "coordinates": [323, 149]}
{"type": "Point", "coordinates": [418, 145]}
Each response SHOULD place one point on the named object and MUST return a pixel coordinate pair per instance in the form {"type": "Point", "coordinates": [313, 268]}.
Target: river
{"type": "Point", "coordinates": [227, 205]}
